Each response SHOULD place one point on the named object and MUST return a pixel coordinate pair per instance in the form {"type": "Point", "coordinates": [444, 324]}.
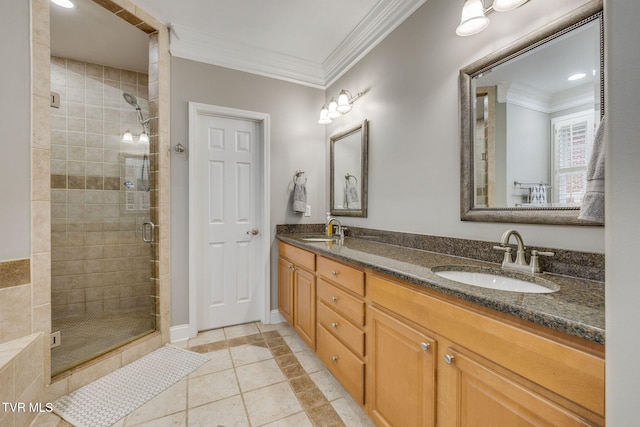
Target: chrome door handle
{"type": "Point", "coordinates": [254, 231]}
{"type": "Point", "coordinates": [148, 226]}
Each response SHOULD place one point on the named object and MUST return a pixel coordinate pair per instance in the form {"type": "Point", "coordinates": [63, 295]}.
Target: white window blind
{"type": "Point", "coordinates": [573, 142]}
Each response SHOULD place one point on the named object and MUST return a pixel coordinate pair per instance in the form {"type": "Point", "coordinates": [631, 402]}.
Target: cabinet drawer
{"type": "Point", "coordinates": [340, 301]}
{"type": "Point", "coordinates": [339, 326]}
{"type": "Point", "coordinates": [345, 365]}
{"type": "Point", "coordinates": [298, 256]}
{"type": "Point", "coordinates": [341, 274]}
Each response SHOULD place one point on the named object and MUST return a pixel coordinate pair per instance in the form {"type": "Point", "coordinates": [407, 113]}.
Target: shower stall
{"type": "Point", "coordinates": [102, 238]}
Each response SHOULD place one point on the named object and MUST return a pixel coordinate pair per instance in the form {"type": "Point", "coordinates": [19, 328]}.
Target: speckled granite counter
{"type": "Point", "coordinates": [576, 309]}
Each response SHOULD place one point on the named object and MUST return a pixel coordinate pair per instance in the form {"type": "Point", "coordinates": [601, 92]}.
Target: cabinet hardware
{"type": "Point", "coordinates": [335, 273]}
{"type": "Point", "coordinates": [334, 299]}
{"type": "Point", "coordinates": [334, 324]}
{"type": "Point", "coordinates": [334, 358]}
{"type": "Point", "coordinates": [449, 358]}
{"type": "Point", "coordinates": [425, 346]}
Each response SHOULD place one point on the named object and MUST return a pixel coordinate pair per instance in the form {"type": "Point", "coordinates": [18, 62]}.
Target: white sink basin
{"type": "Point", "coordinates": [318, 239]}
{"type": "Point", "coordinates": [496, 281]}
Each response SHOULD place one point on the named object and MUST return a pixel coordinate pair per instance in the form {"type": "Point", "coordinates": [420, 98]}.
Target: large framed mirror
{"type": "Point", "coordinates": [529, 113]}
{"type": "Point", "coordinates": [348, 171]}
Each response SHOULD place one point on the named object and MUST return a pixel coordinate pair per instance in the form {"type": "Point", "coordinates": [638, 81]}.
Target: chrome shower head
{"type": "Point", "coordinates": [131, 100]}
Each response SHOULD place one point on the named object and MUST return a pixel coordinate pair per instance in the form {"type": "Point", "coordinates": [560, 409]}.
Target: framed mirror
{"type": "Point", "coordinates": [529, 113]}
{"type": "Point", "coordinates": [348, 171]}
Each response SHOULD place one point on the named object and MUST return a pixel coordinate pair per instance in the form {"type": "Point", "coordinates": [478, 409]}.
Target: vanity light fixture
{"type": "Point", "coordinates": [474, 20]}
{"type": "Point", "coordinates": [142, 139]}
{"type": "Point", "coordinates": [127, 137]}
{"type": "Point", "coordinates": [67, 4]}
{"type": "Point", "coordinates": [338, 107]}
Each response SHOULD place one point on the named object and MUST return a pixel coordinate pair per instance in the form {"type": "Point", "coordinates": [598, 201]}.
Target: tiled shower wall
{"type": "Point", "coordinates": [99, 261]}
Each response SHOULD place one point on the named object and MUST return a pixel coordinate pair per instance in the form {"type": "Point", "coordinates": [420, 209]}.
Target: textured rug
{"type": "Point", "coordinates": [108, 399]}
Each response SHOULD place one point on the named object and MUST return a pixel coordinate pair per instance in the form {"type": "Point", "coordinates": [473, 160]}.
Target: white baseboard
{"type": "Point", "coordinates": [276, 317]}
{"type": "Point", "coordinates": [180, 333]}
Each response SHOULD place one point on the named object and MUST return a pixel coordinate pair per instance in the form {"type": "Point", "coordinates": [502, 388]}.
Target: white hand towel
{"type": "Point", "coordinates": [351, 193]}
{"type": "Point", "coordinates": [592, 208]}
{"type": "Point", "coordinates": [299, 196]}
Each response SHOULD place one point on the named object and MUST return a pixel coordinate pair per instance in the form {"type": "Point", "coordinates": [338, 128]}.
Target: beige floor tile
{"type": "Point", "coordinates": [272, 327]}
{"type": "Point", "coordinates": [220, 361]}
{"type": "Point", "coordinates": [351, 413]}
{"type": "Point", "coordinates": [170, 401]}
{"type": "Point", "coordinates": [174, 420]}
{"type": "Point", "coordinates": [271, 403]}
{"type": "Point", "coordinates": [246, 353]}
{"type": "Point", "coordinates": [259, 374]}
{"type": "Point", "coordinates": [309, 361]}
{"type": "Point", "coordinates": [297, 420]}
{"type": "Point", "coordinates": [48, 419]}
{"type": "Point", "coordinates": [286, 330]}
{"type": "Point", "coordinates": [227, 412]}
{"type": "Point", "coordinates": [241, 330]}
{"type": "Point", "coordinates": [206, 337]}
{"type": "Point", "coordinates": [295, 343]}
{"type": "Point", "coordinates": [328, 385]}
{"type": "Point", "coordinates": [212, 387]}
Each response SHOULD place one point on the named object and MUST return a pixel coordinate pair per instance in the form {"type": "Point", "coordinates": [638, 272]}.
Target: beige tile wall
{"type": "Point", "coordinates": [99, 262]}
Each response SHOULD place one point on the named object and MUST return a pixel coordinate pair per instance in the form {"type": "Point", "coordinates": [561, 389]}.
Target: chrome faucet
{"type": "Point", "coordinates": [520, 263]}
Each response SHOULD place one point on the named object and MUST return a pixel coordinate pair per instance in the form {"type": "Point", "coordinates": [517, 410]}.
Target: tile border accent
{"type": "Point", "coordinates": [15, 273]}
{"type": "Point", "coordinates": [315, 404]}
{"type": "Point", "coordinates": [585, 265]}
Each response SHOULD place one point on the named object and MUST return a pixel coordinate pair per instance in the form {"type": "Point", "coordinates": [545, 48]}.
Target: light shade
{"type": "Point", "coordinates": [127, 137]}
{"type": "Point", "coordinates": [333, 112]}
{"type": "Point", "coordinates": [144, 138]}
{"type": "Point", "coordinates": [324, 116]}
{"type": "Point", "coordinates": [63, 3]}
{"type": "Point", "coordinates": [473, 20]}
{"type": "Point", "coordinates": [344, 103]}
{"type": "Point", "coordinates": [506, 5]}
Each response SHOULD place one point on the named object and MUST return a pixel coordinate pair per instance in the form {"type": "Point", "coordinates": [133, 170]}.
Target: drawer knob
{"type": "Point", "coordinates": [334, 325]}
{"type": "Point", "coordinates": [334, 358]}
{"type": "Point", "coordinates": [335, 273]}
{"type": "Point", "coordinates": [334, 299]}
{"type": "Point", "coordinates": [425, 346]}
{"type": "Point", "coordinates": [449, 358]}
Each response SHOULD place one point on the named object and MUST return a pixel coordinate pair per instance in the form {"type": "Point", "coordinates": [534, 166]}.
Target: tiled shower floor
{"type": "Point", "coordinates": [85, 337]}
{"type": "Point", "coordinates": [258, 375]}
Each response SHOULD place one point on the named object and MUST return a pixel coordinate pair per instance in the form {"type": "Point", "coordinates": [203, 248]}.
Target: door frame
{"type": "Point", "coordinates": [264, 267]}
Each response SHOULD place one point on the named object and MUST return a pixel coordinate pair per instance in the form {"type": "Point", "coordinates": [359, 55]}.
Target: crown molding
{"type": "Point", "coordinates": [386, 16]}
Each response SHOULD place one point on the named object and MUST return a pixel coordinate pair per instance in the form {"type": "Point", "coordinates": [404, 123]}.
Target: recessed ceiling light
{"type": "Point", "coordinates": [576, 76]}
{"type": "Point", "coordinates": [63, 3]}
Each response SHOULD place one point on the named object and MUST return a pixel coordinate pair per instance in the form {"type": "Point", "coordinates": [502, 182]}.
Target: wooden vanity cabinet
{"type": "Point", "coordinates": [489, 370]}
{"type": "Point", "coordinates": [297, 290]}
{"type": "Point", "coordinates": [401, 372]}
{"type": "Point", "coordinates": [340, 327]}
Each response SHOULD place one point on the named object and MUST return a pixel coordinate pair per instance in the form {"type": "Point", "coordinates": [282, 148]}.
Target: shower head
{"type": "Point", "coordinates": [131, 100]}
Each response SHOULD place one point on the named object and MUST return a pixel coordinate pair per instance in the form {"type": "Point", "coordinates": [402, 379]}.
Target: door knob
{"type": "Point", "coordinates": [254, 232]}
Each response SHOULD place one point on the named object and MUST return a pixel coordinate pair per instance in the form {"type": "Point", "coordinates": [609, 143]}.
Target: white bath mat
{"type": "Point", "coordinates": [108, 399]}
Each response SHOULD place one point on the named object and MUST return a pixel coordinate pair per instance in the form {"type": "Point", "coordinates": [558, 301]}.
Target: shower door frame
{"type": "Point", "coordinates": [159, 88]}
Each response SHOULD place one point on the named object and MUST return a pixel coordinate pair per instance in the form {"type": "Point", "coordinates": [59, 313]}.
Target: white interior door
{"type": "Point", "coordinates": [225, 192]}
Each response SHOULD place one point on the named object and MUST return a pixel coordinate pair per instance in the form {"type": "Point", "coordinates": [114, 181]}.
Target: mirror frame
{"type": "Point", "coordinates": [364, 143]}
{"type": "Point", "coordinates": [559, 215]}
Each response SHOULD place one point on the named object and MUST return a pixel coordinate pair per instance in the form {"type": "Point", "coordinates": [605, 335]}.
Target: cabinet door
{"type": "Point", "coordinates": [285, 289]}
{"type": "Point", "coordinates": [400, 373]}
{"type": "Point", "coordinates": [487, 398]}
{"type": "Point", "coordinates": [304, 305]}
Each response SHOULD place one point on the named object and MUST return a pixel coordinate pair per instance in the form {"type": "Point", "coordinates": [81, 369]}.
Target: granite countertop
{"type": "Point", "coordinates": [576, 309]}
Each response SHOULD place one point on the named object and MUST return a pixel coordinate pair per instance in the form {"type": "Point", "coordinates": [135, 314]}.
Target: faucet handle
{"type": "Point", "coordinates": [535, 265]}
{"type": "Point", "coordinates": [507, 254]}
{"type": "Point", "coordinates": [541, 253]}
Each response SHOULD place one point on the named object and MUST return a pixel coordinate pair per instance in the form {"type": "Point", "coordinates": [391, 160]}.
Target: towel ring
{"type": "Point", "coordinates": [349, 176]}
{"type": "Point", "coordinates": [297, 176]}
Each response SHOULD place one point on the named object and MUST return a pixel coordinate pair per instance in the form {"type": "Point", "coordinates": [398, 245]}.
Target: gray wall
{"type": "Point", "coordinates": [622, 104]}
{"type": "Point", "coordinates": [413, 108]}
{"type": "Point", "coordinates": [297, 142]}
{"type": "Point", "coordinates": [15, 110]}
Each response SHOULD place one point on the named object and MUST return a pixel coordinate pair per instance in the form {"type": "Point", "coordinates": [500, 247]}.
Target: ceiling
{"type": "Point", "coordinates": [308, 42]}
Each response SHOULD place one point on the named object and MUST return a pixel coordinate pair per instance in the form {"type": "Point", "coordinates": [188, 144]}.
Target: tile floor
{"type": "Point", "coordinates": [258, 375]}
